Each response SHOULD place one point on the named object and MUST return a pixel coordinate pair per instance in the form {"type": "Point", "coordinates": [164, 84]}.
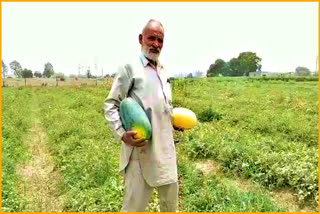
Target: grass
{"type": "Point", "coordinates": [83, 148]}
{"type": "Point", "coordinates": [16, 104]}
{"type": "Point", "coordinates": [214, 193]}
{"type": "Point", "coordinates": [268, 131]}
{"type": "Point", "coordinates": [262, 131]}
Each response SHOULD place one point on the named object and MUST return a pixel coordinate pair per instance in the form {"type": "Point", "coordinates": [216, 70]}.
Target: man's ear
{"type": "Point", "coordinates": [140, 39]}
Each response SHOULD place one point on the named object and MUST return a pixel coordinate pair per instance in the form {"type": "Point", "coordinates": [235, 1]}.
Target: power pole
{"type": "Point", "coordinates": [102, 71]}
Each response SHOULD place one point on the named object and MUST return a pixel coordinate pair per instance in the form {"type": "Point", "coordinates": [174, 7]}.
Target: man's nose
{"type": "Point", "coordinates": [156, 44]}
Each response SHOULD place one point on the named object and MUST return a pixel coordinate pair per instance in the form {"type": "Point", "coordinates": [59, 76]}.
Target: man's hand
{"type": "Point", "coordinates": [128, 138]}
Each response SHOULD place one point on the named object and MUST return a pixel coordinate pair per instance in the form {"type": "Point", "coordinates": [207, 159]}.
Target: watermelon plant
{"type": "Point", "coordinates": [265, 132]}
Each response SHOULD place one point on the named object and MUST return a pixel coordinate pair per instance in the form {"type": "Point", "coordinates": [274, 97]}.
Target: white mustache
{"type": "Point", "coordinates": [154, 50]}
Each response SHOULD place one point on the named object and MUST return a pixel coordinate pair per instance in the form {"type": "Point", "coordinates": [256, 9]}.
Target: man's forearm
{"type": "Point", "coordinates": [113, 117]}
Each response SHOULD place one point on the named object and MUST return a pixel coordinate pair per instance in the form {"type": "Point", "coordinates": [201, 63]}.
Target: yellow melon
{"type": "Point", "coordinates": [140, 132]}
{"type": "Point", "coordinates": [184, 118]}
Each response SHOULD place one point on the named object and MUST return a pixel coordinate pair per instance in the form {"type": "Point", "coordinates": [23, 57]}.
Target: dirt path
{"type": "Point", "coordinates": [40, 176]}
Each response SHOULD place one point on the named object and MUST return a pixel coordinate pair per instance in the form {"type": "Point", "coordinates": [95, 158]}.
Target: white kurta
{"type": "Point", "coordinates": [149, 87]}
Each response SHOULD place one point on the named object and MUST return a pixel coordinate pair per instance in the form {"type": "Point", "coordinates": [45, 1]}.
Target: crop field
{"type": "Point", "coordinates": [255, 148]}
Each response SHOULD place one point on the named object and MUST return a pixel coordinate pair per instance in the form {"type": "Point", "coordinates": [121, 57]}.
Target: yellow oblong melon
{"type": "Point", "coordinates": [184, 118]}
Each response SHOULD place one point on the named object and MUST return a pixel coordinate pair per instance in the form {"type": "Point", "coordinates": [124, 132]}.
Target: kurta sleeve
{"type": "Point", "coordinates": [119, 91]}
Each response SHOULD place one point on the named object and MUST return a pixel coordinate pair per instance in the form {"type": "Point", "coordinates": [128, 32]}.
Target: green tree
{"type": "Point", "coordinates": [4, 70]}
{"type": "Point", "coordinates": [235, 67]}
{"type": "Point", "coordinates": [219, 68]}
{"type": "Point", "coordinates": [302, 71]}
{"type": "Point", "coordinates": [26, 73]}
{"type": "Point", "coordinates": [48, 70]}
{"type": "Point", "coordinates": [37, 74]}
{"type": "Point", "coordinates": [249, 62]}
{"type": "Point", "coordinates": [16, 67]}
{"type": "Point", "coordinates": [245, 63]}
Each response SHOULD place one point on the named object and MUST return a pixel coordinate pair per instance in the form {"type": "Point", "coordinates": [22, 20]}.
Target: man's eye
{"type": "Point", "coordinates": [160, 40]}
{"type": "Point", "coordinates": [152, 38]}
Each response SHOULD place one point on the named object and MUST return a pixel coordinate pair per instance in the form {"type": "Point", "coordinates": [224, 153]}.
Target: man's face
{"type": "Point", "coordinates": [151, 41]}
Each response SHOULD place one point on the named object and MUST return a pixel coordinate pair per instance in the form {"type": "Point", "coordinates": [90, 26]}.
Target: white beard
{"type": "Point", "coordinates": [152, 56]}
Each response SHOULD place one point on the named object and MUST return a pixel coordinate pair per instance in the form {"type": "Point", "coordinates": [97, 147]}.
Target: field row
{"type": "Point", "coordinates": [263, 133]}
{"type": "Point", "coordinates": [267, 132]}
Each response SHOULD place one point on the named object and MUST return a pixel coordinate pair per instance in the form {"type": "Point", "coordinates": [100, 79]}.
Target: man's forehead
{"type": "Point", "coordinates": [154, 31]}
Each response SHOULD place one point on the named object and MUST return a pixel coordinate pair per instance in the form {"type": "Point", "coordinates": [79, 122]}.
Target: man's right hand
{"type": "Point", "coordinates": [128, 138]}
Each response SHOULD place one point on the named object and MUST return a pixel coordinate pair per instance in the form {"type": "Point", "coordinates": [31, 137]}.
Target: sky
{"type": "Point", "coordinates": [105, 34]}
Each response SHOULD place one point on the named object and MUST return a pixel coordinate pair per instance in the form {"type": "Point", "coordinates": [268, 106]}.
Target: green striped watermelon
{"type": "Point", "coordinates": [134, 118]}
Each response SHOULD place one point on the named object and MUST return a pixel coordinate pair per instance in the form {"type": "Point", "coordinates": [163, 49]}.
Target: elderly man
{"type": "Point", "coordinates": [146, 164]}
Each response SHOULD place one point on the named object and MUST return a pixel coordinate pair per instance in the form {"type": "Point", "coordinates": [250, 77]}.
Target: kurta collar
{"type": "Point", "coordinates": [145, 61]}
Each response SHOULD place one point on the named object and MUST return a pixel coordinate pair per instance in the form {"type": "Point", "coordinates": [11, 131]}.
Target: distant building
{"type": "Point", "coordinates": [262, 73]}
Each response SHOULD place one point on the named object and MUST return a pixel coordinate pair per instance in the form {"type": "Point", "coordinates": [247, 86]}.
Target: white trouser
{"type": "Point", "coordinates": [137, 192]}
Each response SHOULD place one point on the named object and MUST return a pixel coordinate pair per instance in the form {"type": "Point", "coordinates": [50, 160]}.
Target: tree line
{"type": "Point", "coordinates": [245, 63]}
{"type": "Point", "coordinates": [20, 72]}
{"type": "Point", "coordinates": [242, 65]}
{"type": "Point", "coordinates": [48, 72]}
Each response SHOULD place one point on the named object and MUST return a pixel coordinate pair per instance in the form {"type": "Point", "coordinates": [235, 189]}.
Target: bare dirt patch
{"type": "Point", "coordinates": [288, 199]}
{"type": "Point", "coordinates": [246, 185]}
{"type": "Point", "coordinates": [40, 177]}
{"type": "Point", "coordinates": [208, 167]}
